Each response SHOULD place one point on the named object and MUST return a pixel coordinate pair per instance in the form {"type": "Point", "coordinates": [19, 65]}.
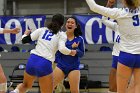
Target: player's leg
{"type": "Point", "coordinates": [74, 80]}
{"type": "Point", "coordinates": [123, 75]}
{"type": "Point", "coordinates": [27, 84]}
{"type": "Point", "coordinates": [137, 80]}
{"type": "Point", "coordinates": [46, 83]}
{"type": "Point", "coordinates": [3, 81]}
{"type": "Point", "coordinates": [112, 76]}
{"type": "Point", "coordinates": [58, 76]}
{"type": "Point", "coordinates": [131, 86]}
{"type": "Point", "coordinates": [125, 67]}
{"type": "Point", "coordinates": [29, 74]}
{"type": "Point", "coordinates": [136, 74]}
{"type": "Point", "coordinates": [112, 81]}
{"type": "Point", "coordinates": [44, 71]}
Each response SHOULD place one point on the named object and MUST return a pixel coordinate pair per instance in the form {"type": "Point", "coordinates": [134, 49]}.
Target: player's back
{"type": "Point", "coordinates": [47, 44]}
{"type": "Point", "coordinates": [129, 29]}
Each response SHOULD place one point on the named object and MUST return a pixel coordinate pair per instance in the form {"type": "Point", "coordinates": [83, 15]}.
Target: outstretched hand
{"type": "Point", "coordinates": [27, 32]}
{"type": "Point", "coordinates": [110, 3]}
{"type": "Point", "coordinates": [15, 30]}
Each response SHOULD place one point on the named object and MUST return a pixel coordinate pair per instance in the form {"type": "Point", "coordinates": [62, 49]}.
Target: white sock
{"type": "Point", "coordinates": [111, 92]}
{"type": "Point", "coordinates": [16, 90]}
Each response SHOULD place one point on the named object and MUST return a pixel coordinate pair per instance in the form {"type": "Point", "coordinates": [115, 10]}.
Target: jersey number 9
{"type": "Point", "coordinates": [136, 21]}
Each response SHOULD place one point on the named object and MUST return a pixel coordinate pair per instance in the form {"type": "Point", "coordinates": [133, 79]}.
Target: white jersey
{"type": "Point", "coordinates": [116, 47]}
{"type": "Point", "coordinates": [114, 27]}
{"type": "Point", "coordinates": [48, 43]}
{"type": "Point", "coordinates": [129, 25]}
{"type": "Point", "coordinates": [1, 30]}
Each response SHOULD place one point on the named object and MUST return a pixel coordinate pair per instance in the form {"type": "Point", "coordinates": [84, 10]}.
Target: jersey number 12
{"type": "Point", "coordinates": [47, 35]}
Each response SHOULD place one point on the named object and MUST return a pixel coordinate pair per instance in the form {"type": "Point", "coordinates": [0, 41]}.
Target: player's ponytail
{"type": "Point", "coordinates": [56, 23]}
{"type": "Point", "coordinates": [77, 31]}
{"type": "Point", "coordinates": [132, 4]}
{"type": "Point", "coordinates": [137, 3]}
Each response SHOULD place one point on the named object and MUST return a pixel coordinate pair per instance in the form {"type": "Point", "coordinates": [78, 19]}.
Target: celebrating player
{"type": "Point", "coordinates": [39, 65]}
{"type": "Point", "coordinates": [129, 25]}
{"type": "Point", "coordinates": [68, 66]}
{"type": "Point", "coordinates": [3, 80]}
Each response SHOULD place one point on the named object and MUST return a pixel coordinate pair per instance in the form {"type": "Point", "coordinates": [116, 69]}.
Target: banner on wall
{"type": "Point", "coordinates": [94, 32]}
{"type": "Point", "coordinates": [23, 22]}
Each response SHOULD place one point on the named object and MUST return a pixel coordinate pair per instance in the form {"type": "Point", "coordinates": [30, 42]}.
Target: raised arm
{"type": "Point", "coordinates": [27, 37]}
{"type": "Point", "coordinates": [110, 24]}
{"type": "Point", "coordinates": [109, 12]}
{"type": "Point", "coordinates": [12, 31]}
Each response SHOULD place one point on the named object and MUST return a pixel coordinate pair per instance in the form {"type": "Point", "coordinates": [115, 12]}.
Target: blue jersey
{"type": "Point", "coordinates": [71, 61]}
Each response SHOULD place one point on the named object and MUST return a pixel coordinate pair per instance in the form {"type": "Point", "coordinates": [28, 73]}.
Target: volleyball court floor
{"type": "Point", "coordinates": [94, 90]}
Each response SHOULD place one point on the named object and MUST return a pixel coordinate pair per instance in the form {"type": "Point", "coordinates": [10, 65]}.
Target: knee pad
{"type": "Point", "coordinates": [3, 87]}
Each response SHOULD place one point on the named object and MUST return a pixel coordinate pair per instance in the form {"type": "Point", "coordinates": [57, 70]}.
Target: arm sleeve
{"type": "Point", "coordinates": [109, 12]}
{"type": "Point", "coordinates": [35, 34]}
{"type": "Point", "coordinates": [61, 44]}
{"type": "Point", "coordinates": [26, 39]}
{"type": "Point", "coordinates": [32, 37]}
{"type": "Point", "coordinates": [110, 24]}
{"type": "Point", "coordinates": [81, 48]}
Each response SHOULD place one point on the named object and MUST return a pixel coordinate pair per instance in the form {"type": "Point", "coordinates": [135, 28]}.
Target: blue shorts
{"type": "Point", "coordinates": [38, 66]}
{"type": "Point", "coordinates": [114, 61]}
{"type": "Point", "coordinates": [67, 70]}
{"type": "Point", "coordinates": [130, 60]}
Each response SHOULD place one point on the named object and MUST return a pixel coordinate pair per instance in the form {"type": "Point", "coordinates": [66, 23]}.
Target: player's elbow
{"type": "Point", "coordinates": [80, 53]}
{"type": "Point", "coordinates": [64, 51]}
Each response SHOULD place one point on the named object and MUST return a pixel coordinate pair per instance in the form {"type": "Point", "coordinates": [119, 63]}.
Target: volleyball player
{"type": "Point", "coordinates": [39, 65]}
{"type": "Point", "coordinates": [3, 80]}
{"type": "Point", "coordinates": [68, 66]}
{"type": "Point", "coordinates": [115, 54]}
{"type": "Point", "coordinates": [129, 25]}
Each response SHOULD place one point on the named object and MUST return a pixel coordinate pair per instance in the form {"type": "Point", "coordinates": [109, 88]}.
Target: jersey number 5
{"type": "Point", "coordinates": [136, 21]}
{"type": "Point", "coordinates": [47, 35]}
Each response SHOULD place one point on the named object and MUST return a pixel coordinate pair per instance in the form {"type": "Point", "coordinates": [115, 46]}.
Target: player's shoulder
{"type": "Point", "coordinates": [44, 28]}
{"type": "Point", "coordinates": [80, 38]}
{"type": "Point", "coordinates": [62, 33]}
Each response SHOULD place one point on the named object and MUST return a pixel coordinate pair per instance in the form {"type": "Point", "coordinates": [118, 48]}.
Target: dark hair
{"type": "Point", "coordinates": [132, 4]}
{"type": "Point", "coordinates": [56, 23]}
{"type": "Point", "coordinates": [77, 31]}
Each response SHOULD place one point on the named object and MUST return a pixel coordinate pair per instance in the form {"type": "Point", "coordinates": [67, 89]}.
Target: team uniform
{"type": "Point", "coordinates": [116, 49]}
{"type": "Point", "coordinates": [129, 26]}
{"type": "Point", "coordinates": [69, 63]}
{"type": "Point", "coordinates": [40, 61]}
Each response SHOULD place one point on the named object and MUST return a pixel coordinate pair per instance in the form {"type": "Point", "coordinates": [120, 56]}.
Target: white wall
{"type": "Point", "coordinates": [68, 7]}
{"type": "Point", "coordinates": [1, 7]}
